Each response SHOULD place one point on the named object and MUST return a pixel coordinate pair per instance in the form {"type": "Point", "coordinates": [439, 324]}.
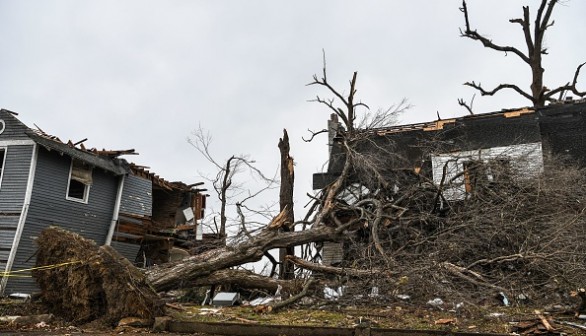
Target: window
{"type": "Point", "coordinates": [80, 180]}
{"type": "Point", "coordinates": [2, 159]}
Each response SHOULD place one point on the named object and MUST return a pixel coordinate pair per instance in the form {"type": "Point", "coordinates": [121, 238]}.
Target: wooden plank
{"type": "Point", "coordinates": [241, 329]}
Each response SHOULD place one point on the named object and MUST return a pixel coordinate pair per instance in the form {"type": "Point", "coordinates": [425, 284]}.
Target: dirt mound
{"type": "Point", "coordinates": [94, 282]}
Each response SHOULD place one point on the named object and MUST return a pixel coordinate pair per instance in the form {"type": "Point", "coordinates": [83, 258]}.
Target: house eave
{"type": "Point", "coordinates": [115, 166]}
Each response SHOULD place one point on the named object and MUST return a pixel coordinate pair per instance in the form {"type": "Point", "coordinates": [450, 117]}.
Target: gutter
{"type": "Point", "coordinates": [116, 211]}
{"type": "Point", "coordinates": [23, 214]}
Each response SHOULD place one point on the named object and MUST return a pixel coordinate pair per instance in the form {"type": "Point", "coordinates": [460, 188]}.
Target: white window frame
{"type": "Point", "coordinates": [86, 191]}
{"type": "Point", "coordinates": [5, 149]}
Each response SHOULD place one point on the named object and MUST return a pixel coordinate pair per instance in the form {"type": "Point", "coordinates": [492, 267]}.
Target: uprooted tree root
{"type": "Point", "coordinates": [96, 283]}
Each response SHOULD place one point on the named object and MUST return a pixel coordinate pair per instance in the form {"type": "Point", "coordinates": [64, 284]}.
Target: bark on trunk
{"type": "Point", "coordinates": [286, 204]}
{"type": "Point", "coordinates": [247, 279]}
{"type": "Point", "coordinates": [181, 273]}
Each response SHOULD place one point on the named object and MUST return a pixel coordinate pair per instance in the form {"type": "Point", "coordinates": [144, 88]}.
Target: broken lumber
{"type": "Point", "coordinates": [544, 321]}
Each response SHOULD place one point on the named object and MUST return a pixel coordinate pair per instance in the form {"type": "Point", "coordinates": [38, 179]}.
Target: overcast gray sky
{"type": "Point", "coordinates": [144, 74]}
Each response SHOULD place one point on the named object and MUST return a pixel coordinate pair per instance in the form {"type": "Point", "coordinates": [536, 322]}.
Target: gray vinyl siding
{"type": "Point", "coordinates": [137, 196]}
{"type": "Point", "coordinates": [8, 226]}
{"type": "Point", "coordinates": [49, 207]}
{"type": "Point", "coordinates": [4, 253]}
{"type": "Point", "coordinates": [15, 129]}
{"type": "Point", "coordinates": [127, 250]}
{"type": "Point", "coordinates": [14, 180]}
{"type": "Point", "coordinates": [12, 190]}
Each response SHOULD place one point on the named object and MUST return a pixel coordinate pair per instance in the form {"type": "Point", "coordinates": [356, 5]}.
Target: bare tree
{"type": "Point", "coordinates": [230, 192]}
{"type": "Point", "coordinates": [539, 94]}
{"type": "Point", "coordinates": [348, 112]}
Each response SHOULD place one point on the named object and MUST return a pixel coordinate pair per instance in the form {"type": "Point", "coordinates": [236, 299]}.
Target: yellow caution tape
{"type": "Point", "coordinates": [42, 268]}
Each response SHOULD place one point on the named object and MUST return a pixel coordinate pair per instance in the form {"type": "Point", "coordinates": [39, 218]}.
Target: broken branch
{"type": "Point", "coordinates": [337, 270]}
{"type": "Point", "coordinates": [294, 298]}
{"type": "Point", "coordinates": [497, 89]}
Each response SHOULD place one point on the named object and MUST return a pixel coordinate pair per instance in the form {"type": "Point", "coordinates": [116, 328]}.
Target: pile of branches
{"type": "Point", "coordinates": [517, 236]}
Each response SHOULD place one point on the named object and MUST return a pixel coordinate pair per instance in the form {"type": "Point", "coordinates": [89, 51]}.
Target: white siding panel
{"type": "Point", "coordinates": [526, 161]}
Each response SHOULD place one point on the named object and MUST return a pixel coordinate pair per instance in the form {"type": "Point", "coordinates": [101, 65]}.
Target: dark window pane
{"type": "Point", "coordinates": [76, 189]}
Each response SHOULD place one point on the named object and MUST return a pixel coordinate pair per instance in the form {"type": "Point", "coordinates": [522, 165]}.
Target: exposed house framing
{"type": "Point", "coordinates": [45, 181]}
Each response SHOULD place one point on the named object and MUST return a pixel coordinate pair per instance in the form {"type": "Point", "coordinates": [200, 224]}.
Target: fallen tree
{"type": "Point", "coordinates": [180, 273]}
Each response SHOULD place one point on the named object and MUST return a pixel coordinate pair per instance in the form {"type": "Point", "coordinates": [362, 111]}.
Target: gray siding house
{"type": "Point", "coordinates": [45, 182]}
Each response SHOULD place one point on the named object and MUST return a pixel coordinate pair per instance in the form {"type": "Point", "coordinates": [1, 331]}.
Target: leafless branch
{"type": "Point", "coordinates": [348, 113]}
{"type": "Point", "coordinates": [533, 57]}
{"type": "Point", "coordinates": [571, 87]}
{"type": "Point", "coordinates": [474, 35]}
{"type": "Point", "coordinates": [463, 103]}
{"type": "Point", "coordinates": [498, 88]}
{"type": "Point", "coordinates": [313, 134]}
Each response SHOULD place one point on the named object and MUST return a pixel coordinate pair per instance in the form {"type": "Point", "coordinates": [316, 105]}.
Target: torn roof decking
{"type": "Point", "coordinates": [105, 159]}
{"type": "Point", "coordinates": [441, 123]}
{"type": "Point", "coordinates": [116, 166]}
{"type": "Point", "coordinates": [159, 181]}
{"type": "Point", "coordinates": [410, 144]}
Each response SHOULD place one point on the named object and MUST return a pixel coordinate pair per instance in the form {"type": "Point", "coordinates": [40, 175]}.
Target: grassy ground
{"type": "Point", "coordinates": [476, 319]}
{"type": "Point", "coordinates": [500, 320]}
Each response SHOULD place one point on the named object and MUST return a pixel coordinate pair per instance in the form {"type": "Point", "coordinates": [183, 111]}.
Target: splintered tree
{"type": "Point", "coordinates": [286, 203]}
{"type": "Point", "coordinates": [539, 94]}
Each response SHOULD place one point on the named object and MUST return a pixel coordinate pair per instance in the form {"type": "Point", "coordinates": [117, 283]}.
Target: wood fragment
{"type": "Point", "coordinates": [245, 320]}
{"type": "Point", "coordinates": [572, 324]}
{"type": "Point", "coordinates": [446, 321]}
{"type": "Point", "coordinates": [174, 306]}
{"type": "Point", "coordinates": [544, 321]}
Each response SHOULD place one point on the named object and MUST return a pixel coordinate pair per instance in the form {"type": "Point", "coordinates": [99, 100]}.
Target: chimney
{"type": "Point", "coordinates": [333, 126]}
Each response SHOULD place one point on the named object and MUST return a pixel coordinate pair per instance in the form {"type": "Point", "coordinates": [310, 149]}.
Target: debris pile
{"type": "Point", "coordinates": [93, 282]}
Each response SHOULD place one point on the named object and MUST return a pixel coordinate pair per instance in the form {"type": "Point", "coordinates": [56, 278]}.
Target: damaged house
{"type": "Point", "coordinates": [45, 182]}
{"type": "Point", "coordinates": [459, 154]}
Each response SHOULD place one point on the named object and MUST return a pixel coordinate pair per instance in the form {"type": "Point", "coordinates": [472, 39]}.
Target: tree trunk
{"type": "Point", "coordinates": [226, 183]}
{"type": "Point", "coordinates": [247, 279]}
{"type": "Point", "coordinates": [286, 204]}
{"type": "Point", "coordinates": [181, 273]}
